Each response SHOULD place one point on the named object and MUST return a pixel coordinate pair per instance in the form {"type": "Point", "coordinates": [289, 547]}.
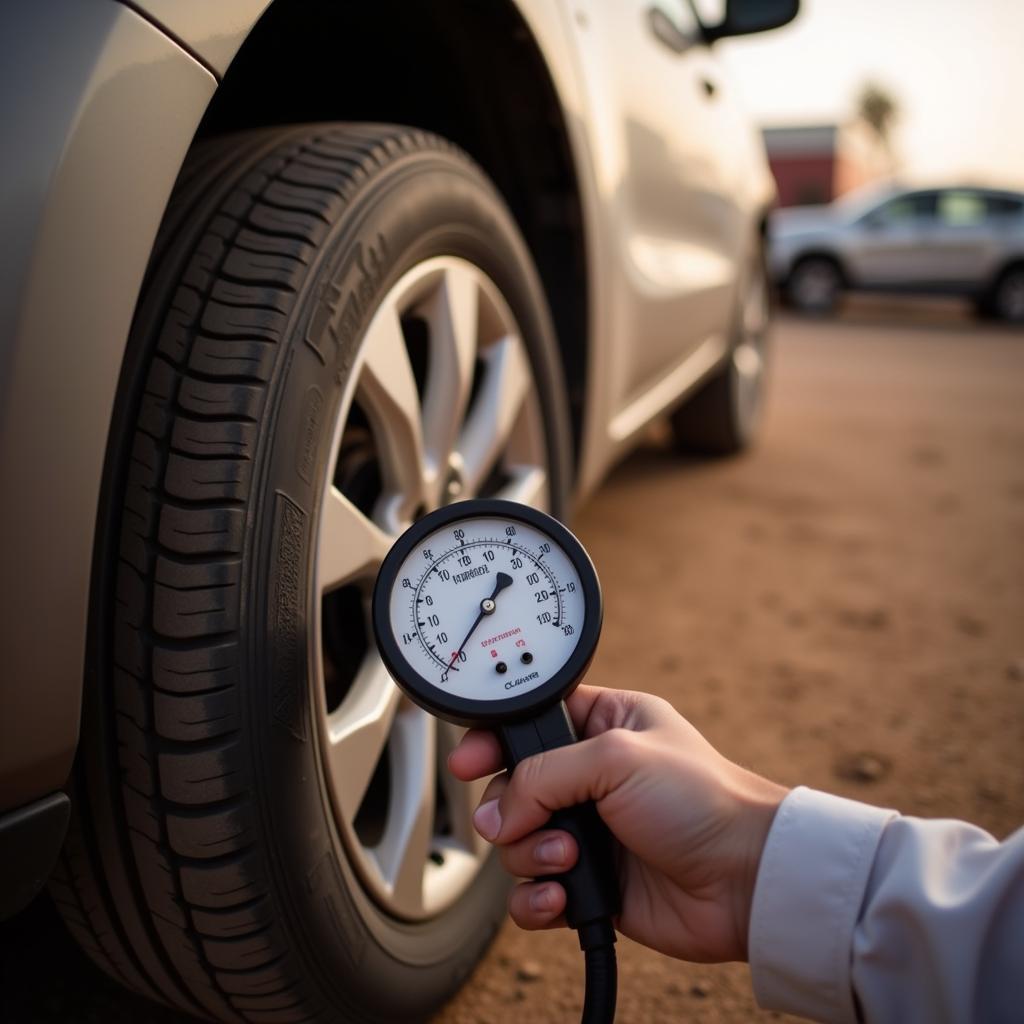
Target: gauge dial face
{"type": "Point", "coordinates": [487, 608]}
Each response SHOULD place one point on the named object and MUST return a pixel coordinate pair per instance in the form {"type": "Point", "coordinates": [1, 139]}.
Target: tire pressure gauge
{"type": "Point", "coordinates": [487, 613]}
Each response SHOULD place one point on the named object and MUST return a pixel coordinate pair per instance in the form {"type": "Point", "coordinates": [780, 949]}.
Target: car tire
{"type": "Point", "coordinates": [340, 328]}
{"type": "Point", "coordinates": [1007, 298]}
{"type": "Point", "coordinates": [814, 286]}
{"type": "Point", "coordinates": [724, 415]}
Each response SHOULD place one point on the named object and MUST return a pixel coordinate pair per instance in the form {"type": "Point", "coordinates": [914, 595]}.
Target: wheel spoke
{"type": "Point", "coordinates": [505, 386]}
{"type": "Point", "coordinates": [404, 849]}
{"type": "Point", "coordinates": [528, 486]}
{"type": "Point", "coordinates": [452, 316]}
{"type": "Point", "coordinates": [358, 731]}
{"type": "Point", "coordinates": [350, 544]}
{"type": "Point", "coordinates": [462, 797]}
{"type": "Point", "coordinates": [388, 391]}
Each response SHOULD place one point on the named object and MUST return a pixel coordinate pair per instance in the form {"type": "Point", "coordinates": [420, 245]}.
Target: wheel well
{"type": "Point", "coordinates": [469, 71]}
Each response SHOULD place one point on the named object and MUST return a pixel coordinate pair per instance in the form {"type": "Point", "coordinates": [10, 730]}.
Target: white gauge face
{"type": "Point", "coordinates": [487, 608]}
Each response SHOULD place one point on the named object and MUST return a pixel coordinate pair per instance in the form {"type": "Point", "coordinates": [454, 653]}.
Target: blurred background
{"type": "Point", "coordinates": [842, 607]}
{"type": "Point", "coordinates": [949, 70]}
{"type": "Point", "coordinates": [890, 131]}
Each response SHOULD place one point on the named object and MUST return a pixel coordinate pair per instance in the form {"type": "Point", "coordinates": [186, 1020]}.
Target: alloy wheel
{"type": "Point", "coordinates": [441, 405]}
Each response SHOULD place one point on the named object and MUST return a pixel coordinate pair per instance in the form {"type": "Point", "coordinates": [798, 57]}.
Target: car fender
{"type": "Point", "coordinates": [114, 107]}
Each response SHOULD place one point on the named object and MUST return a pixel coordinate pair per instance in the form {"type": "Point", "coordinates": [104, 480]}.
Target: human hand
{"type": "Point", "coordinates": [691, 824]}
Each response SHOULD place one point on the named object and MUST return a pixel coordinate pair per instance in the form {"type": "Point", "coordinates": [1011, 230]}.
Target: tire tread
{"type": "Point", "coordinates": [216, 946]}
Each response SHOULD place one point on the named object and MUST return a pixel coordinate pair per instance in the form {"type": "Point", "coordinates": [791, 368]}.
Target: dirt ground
{"type": "Point", "coordinates": [844, 608]}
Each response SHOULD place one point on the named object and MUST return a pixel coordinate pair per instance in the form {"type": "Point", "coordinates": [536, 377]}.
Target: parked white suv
{"type": "Point", "coordinates": [942, 241]}
{"type": "Point", "coordinates": [279, 278]}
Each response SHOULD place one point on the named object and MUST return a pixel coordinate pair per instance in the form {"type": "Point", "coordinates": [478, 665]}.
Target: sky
{"type": "Point", "coordinates": [956, 68]}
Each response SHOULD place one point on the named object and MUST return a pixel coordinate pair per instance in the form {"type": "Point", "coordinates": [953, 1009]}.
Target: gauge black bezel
{"type": "Point", "coordinates": [463, 710]}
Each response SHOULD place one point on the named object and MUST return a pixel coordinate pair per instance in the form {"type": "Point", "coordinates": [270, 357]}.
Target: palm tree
{"type": "Point", "coordinates": [879, 109]}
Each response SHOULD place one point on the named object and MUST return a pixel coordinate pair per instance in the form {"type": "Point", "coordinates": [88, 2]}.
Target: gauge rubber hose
{"type": "Point", "coordinates": [597, 940]}
{"type": "Point", "coordinates": [601, 987]}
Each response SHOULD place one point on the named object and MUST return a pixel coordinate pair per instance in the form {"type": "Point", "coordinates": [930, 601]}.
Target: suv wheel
{"type": "Point", "coordinates": [1008, 296]}
{"type": "Point", "coordinates": [341, 329]}
{"type": "Point", "coordinates": [814, 285]}
{"type": "Point", "coordinates": [723, 417]}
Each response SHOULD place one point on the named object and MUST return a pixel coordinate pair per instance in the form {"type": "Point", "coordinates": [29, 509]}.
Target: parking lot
{"type": "Point", "coordinates": [841, 608]}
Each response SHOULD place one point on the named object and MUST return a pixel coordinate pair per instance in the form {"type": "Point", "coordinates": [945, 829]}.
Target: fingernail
{"type": "Point", "coordinates": [487, 819]}
{"type": "Point", "coordinates": [551, 851]}
{"type": "Point", "coordinates": [543, 899]}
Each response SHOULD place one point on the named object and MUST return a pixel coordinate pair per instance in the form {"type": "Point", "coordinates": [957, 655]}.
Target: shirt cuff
{"type": "Point", "coordinates": [807, 899]}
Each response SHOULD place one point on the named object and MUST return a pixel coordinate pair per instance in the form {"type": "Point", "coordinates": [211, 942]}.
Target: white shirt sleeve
{"type": "Point", "coordinates": [861, 914]}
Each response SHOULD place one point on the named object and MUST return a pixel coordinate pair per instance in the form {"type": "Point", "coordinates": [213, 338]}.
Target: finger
{"type": "Point", "coordinates": [543, 853]}
{"type": "Point", "coordinates": [478, 754]}
{"type": "Point", "coordinates": [546, 782]}
{"type": "Point", "coordinates": [487, 816]}
{"type": "Point", "coordinates": [581, 702]}
{"type": "Point", "coordinates": [494, 789]}
{"type": "Point", "coordinates": [595, 710]}
{"type": "Point", "coordinates": [534, 905]}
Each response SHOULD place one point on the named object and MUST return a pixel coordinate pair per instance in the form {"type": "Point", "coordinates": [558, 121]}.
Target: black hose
{"type": "Point", "coordinates": [602, 985]}
{"type": "Point", "coordinates": [597, 940]}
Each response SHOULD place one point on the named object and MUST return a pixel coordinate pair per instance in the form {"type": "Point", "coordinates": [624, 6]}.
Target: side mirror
{"type": "Point", "coordinates": [743, 17]}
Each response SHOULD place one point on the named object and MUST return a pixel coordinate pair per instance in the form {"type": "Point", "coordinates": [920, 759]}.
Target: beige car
{"type": "Point", "coordinates": [277, 279]}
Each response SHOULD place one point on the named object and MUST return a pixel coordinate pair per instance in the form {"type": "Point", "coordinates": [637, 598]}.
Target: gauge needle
{"type": "Point", "coordinates": [487, 607]}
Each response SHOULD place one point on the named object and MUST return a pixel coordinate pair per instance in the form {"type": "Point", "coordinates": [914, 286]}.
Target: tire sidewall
{"type": "Point", "coordinates": [426, 205]}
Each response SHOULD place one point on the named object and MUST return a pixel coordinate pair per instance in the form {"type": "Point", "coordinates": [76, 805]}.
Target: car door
{"type": "Point", "coordinates": [963, 239]}
{"type": "Point", "coordinates": [890, 245]}
{"type": "Point", "coordinates": [669, 149]}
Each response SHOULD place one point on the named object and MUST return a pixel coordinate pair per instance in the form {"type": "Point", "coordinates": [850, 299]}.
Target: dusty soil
{"type": "Point", "coordinates": [843, 608]}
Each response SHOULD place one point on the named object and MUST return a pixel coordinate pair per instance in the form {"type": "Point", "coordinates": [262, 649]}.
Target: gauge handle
{"type": "Point", "coordinates": [591, 885]}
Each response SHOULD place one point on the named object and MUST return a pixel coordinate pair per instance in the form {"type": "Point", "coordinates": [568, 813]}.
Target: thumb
{"type": "Point", "coordinates": [553, 779]}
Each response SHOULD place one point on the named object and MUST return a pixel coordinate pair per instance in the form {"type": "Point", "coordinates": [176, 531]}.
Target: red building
{"type": "Point", "coordinates": [817, 163]}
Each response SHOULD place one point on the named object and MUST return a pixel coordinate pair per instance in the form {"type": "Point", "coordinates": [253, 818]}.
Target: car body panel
{"type": "Point", "coordinates": [212, 32]}
{"type": "Point", "coordinates": [79, 227]}
{"type": "Point", "coordinates": [678, 181]}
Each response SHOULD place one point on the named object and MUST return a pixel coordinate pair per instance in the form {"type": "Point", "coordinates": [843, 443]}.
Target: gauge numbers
{"type": "Point", "coordinates": [487, 607]}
